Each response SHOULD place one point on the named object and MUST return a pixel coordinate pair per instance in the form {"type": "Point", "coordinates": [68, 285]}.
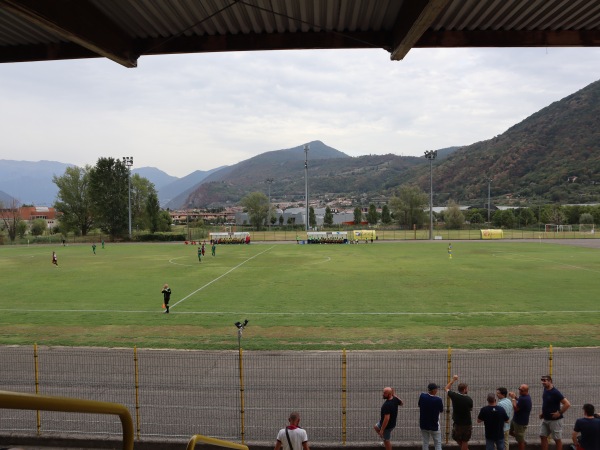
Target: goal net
{"type": "Point", "coordinates": [553, 228]}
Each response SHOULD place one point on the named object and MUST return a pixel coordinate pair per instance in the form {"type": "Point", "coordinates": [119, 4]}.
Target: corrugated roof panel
{"type": "Point", "coordinates": [16, 31]}
{"type": "Point", "coordinates": [590, 21]}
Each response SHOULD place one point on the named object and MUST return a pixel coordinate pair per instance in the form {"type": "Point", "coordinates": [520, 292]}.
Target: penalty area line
{"type": "Point", "coordinates": [219, 277]}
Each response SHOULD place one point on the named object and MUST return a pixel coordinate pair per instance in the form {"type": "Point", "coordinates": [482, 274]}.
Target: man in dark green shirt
{"type": "Point", "coordinates": [462, 405]}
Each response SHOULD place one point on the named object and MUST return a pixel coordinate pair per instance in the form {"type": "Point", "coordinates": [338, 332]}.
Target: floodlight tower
{"type": "Point", "coordinates": [306, 148]}
{"type": "Point", "coordinates": [431, 155]}
{"type": "Point", "coordinates": [269, 181]}
{"type": "Point", "coordinates": [489, 198]}
{"type": "Point", "coordinates": [128, 161]}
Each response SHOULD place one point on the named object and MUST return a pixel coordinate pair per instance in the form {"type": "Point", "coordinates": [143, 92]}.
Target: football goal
{"type": "Point", "coordinates": [553, 228]}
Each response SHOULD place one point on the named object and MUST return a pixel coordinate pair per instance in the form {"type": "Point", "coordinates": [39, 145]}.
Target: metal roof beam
{"type": "Point", "coordinates": [414, 18]}
{"type": "Point", "coordinates": [77, 21]}
{"type": "Point", "coordinates": [263, 41]}
{"type": "Point", "coordinates": [513, 38]}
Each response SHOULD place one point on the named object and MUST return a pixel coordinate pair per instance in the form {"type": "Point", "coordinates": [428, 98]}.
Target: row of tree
{"type": "Point", "coordinates": [408, 208]}
{"type": "Point", "coordinates": [98, 197]}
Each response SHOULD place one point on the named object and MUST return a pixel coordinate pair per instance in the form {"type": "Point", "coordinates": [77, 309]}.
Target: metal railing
{"type": "Point", "coordinates": [36, 402]}
{"type": "Point", "coordinates": [338, 393]}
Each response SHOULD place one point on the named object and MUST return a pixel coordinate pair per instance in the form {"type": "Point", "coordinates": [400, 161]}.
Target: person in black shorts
{"type": "Point", "coordinates": [166, 292]}
{"type": "Point", "coordinates": [462, 405]}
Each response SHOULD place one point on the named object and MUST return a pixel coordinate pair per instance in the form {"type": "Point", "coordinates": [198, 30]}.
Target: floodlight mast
{"type": "Point", "coordinates": [306, 148]}
{"type": "Point", "coordinates": [489, 198]}
{"type": "Point", "coordinates": [431, 155]}
{"type": "Point", "coordinates": [269, 181]}
{"type": "Point", "coordinates": [128, 161]}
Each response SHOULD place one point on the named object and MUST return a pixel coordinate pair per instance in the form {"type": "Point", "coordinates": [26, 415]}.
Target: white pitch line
{"type": "Point", "coordinates": [208, 313]}
{"type": "Point", "coordinates": [219, 277]}
{"type": "Point", "coordinates": [179, 264]}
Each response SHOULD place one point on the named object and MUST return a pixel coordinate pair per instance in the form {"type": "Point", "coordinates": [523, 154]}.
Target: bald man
{"type": "Point", "coordinates": [292, 437]}
{"type": "Point", "coordinates": [389, 415]}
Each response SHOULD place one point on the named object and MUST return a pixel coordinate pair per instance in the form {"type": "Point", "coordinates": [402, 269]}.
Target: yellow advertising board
{"type": "Point", "coordinates": [492, 234]}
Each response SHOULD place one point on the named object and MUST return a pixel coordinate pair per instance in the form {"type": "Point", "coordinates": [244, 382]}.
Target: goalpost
{"type": "Point", "coordinates": [553, 228]}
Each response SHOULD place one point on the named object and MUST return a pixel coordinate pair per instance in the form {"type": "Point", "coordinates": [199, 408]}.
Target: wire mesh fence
{"type": "Point", "coordinates": [247, 396]}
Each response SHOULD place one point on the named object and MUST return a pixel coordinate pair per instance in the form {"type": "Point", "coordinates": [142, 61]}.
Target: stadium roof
{"type": "Point", "coordinates": [125, 30]}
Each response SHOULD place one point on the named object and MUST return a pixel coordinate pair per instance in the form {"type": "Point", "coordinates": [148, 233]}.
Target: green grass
{"type": "Point", "coordinates": [382, 296]}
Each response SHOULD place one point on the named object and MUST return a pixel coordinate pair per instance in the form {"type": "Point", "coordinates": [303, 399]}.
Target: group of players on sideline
{"type": "Point", "coordinates": [506, 414]}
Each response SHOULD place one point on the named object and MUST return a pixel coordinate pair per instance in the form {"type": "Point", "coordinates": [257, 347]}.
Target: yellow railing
{"type": "Point", "coordinates": [35, 402]}
{"type": "Point", "coordinates": [211, 441]}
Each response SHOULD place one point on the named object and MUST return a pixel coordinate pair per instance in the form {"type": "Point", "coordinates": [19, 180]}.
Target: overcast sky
{"type": "Point", "coordinates": [200, 111]}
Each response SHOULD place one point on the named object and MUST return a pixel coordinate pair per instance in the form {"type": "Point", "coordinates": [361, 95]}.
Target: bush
{"type": "Point", "coordinates": [159, 237]}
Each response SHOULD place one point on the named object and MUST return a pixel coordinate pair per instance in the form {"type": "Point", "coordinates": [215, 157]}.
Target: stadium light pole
{"type": "Point", "coordinates": [128, 161]}
{"type": "Point", "coordinates": [306, 148]}
{"type": "Point", "coordinates": [431, 155]}
{"type": "Point", "coordinates": [269, 181]}
{"type": "Point", "coordinates": [489, 197]}
{"type": "Point", "coordinates": [240, 327]}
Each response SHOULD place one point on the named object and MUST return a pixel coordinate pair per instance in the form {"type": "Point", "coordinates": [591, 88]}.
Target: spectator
{"type": "Point", "coordinates": [493, 417]}
{"type": "Point", "coordinates": [504, 402]}
{"type": "Point", "coordinates": [389, 416]}
{"type": "Point", "coordinates": [522, 407]}
{"type": "Point", "coordinates": [462, 405]}
{"type": "Point", "coordinates": [554, 405]}
{"type": "Point", "coordinates": [292, 437]}
{"type": "Point", "coordinates": [430, 406]}
{"type": "Point", "coordinates": [588, 428]}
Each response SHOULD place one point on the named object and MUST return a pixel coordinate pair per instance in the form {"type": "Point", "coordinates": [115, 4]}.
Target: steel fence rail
{"type": "Point", "coordinates": [247, 396]}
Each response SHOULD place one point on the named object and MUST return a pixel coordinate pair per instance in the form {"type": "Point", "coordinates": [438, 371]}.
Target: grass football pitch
{"type": "Point", "coordinates": [393, 295]}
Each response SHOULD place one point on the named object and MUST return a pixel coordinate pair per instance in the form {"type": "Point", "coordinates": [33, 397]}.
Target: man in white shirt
{"type": "Point", "coordinates": [292, 437]}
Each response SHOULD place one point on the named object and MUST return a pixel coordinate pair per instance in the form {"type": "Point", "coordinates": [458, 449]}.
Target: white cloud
{"type": "Point", "coordinates": [187, 112]}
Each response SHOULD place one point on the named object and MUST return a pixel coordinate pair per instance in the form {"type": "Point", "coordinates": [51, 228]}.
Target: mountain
{"type": "Point", "coordinates": [156, 176]}
{"type": "Point", "coordinates": [31, 182]}
{"type": "Point", "coordinates": [174, 194]}
{"type": "Point", "coordinates": [552, 155]}
{"type": "Point", "coordinates": [5, 199]}
{"type": "Point", "coordinates": [332, 173]}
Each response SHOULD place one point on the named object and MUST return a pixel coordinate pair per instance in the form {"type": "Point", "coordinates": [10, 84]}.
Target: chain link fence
{"type": "Point", "coordinates": [247, 396]}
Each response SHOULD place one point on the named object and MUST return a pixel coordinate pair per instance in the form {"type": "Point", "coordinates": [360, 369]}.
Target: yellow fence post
{"type": "Point", "coordinates": [137, 390]}
{"type": "Point", "coordinates": [344, 398]}
{"type": "Point", "coordinates": [448, 378]}
{"type": "Point", "coordinates": [550, 360]}
{"type": "Point", "coordinates": [241, 366]}
{"type": "Point", "coordinates": [37, 386]}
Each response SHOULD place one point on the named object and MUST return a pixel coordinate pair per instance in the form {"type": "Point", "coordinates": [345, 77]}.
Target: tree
{"type": "Point", "coordinates": [476, 218]}
{"type": "Point", "coordinates": [504, 218]}
{"type": "Point", "coordinates": [372, 216]}
{"type": "Point", "coordinates": [108, 190]}
{"type": "Point", "coordinates": [586, 219]}
{"type": "Point", "coordinates": [73, 200]}
{"type": "Point", "coordinates": [38, 226]}
{"type": "Point", "coordinates": [153, 212]}
{"type": "Point", "coordinates": [257, 206]}
{"type": "Point", "coordinates": [357, 216]}
{"type": "Point", "coordinates": [11, 219]}
{"type": "Point", "coordinates": [386, 216]}
{"type": "Point", "coordinates": [552, 214]}
{"type": "Point", "coordinates": [453, 217]}
{"type": "Point", "coordinates": [281, 220]}
{"type": "Point", "coordinates": [141, 189]}
{"type": "Point", "coordinates": [312, 218]}
{"type": "Point", "coordinates": [526, 216]}
{"type": "Point", "coordinates": [408, 206]}
{"type": "Point", "coordinates": [164, 221]}
{"type": "Point", "coordinates": [328, 218]}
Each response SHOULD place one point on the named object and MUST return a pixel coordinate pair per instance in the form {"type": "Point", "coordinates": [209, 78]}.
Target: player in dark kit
{"type": "Point", "coordinates": [166, 292]}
